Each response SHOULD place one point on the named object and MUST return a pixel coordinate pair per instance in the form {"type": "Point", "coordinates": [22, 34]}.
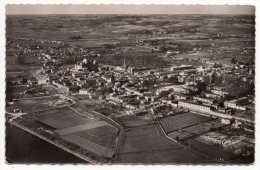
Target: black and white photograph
{"type": "Point", "coordinates": [130, 84]}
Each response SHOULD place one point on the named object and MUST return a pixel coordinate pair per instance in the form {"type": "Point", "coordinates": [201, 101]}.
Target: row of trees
{"type": "Point", "coordinates": [75, 37]}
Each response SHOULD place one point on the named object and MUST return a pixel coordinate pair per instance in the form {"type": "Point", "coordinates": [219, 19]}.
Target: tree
{"type": "Point", "coordinates": [206, 79]}
{"type": "Point", "coordinates": [19, 59]}
{"type": "Point", "coordinates": [24, 80]}
{"type": "Point", "coordinates": [201, 87]}
{"type": "Point", "coordinates": [165, 77]}
{"type": "Point", "coordinates": [59, 26]}
{"type": "Point", "coordinates": [233, 60]}
{"type": "Point", "coordinates": [173, 79]}
{"type": "Point", "coordinates": [145, 83]}
{"type": "Point", "coordinates": [163, 49]}
{"type": "Point", "coordinates": [218, 80]}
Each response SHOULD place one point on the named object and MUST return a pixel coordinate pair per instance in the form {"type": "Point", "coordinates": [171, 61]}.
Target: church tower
{"type": "Point", "coordinates": [112, 78]}
{"type": "Point", "coordinates": [125, 66]}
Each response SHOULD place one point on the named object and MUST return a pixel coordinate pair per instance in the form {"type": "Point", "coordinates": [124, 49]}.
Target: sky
{"type": "Point", "coordinates": [129, 9]}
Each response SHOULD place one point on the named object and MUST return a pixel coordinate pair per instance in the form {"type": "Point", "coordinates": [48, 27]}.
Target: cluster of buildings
{"type": "Point", "coordinates": [140, 89]}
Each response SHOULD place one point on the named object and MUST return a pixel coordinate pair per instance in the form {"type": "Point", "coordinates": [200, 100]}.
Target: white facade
{"type": "Point", "coordinates": [219, 92]}
{"type": "Point", "coordinates": [234, 104]}
{"type": "Point", "coordinates": [194, 107]}
{"type": "Point", "coordinates": [83, 91]}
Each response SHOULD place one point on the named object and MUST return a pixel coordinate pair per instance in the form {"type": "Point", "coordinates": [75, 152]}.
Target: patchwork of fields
{"type": "Point", "coordinates": [93, 135]}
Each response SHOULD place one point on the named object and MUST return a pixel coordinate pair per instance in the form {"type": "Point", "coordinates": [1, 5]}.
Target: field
{"type": "Point", "coordinates": [96, 136]}
{"type": "Point", "coordinates": [102, 107]}
{"type": "Point", "coordinates": [14, 91]}
{"type": "Point", "coordinates": [146, 145]}
{"type": "Point", "coordinates": [181, 121]}
{"type": "Point", "coordinates": [23, 91]}
{"type": "Point", "coordinates": [148, 134]}
{"type": "Point", "coordinates": [213, 151]}
{"type": "Point", "coordinates": [30, 105]}
{"type": "Point", "coordinates": [216, 37]}
{"type": "Point", "coordinates": [195, 130]}
{"type": "Point", "coordinates": [80, 128]}
{"type": "Point", "coordinates": [89, 145]}
{"type": "Point", "coordinates": [132, 121]}
{"type": "Point", "coordinates": [62, 118]}
{"type": "Point", "coordinates": [15, 68]}
{"type": "Point", "coordinates": [77, 108]}
{"type": "Point", "coordinates": [104, 135]}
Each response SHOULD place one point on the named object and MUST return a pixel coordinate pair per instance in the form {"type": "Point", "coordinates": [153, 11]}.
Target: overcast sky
{"type": "Point", "coordinates": [129, 9]}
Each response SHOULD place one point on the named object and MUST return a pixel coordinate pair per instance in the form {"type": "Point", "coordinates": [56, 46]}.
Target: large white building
{"type": "Point", "coordinates": [194, 107]}
{"type": "Point", "coordinates": [182, 67]}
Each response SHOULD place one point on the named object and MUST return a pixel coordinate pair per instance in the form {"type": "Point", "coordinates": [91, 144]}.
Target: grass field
{"type": "Point", "coordinates": [131, 121]}
{"type": "Point", "coordinates": [212, 151]}
{"type": "Point", "coordinates": [104, 135]}
{"type": "Point", "coordinates": [167, 156]}
{"type": "Point", "coordinates": [30, 105]}
{"type": "Point", "coordinates": [89, 145]}
{"type": "Point", "coordinates": [14, 91]}
{"type": "Point", "coordinates": [195, 130]}
{"type": "Point", "coordinates": [134, 140]}
{"type": "Point", "coordinates": [79, 109]}
{"type": "Point", "coordinates": [183, 120]}
{"type": "Point", "coordinates": [79, 128]}
{"type": "Point", "coordinates": [23, 91]}
{"type": "Point", "coordinates": [93, 135]}
{"type": "Point", "coordinates": [62, 118]}
{"type": "Point", "coordinates": [16, 67]}
{"type": "Point", "coordinates": [146, 145]}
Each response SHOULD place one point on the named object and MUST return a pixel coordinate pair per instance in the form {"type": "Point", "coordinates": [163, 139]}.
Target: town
{"type": "Point", "coordinates": [98, 110]}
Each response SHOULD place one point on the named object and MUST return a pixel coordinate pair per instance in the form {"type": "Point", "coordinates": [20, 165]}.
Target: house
{"type": "Point", "coordinates": [203, 100]}
{"type": "Point", "coordinates": [77, 74]}
{"type": "Point", "coordinates": [115, 98]}
{"type": "Point", "coordinates": [181, 97]}
{"type": "Point", "coordinates": [83, 91]}
{"type": "Point", "coordinates": [151, 98]}
{"type": "Point", "coordinates": [238, 104]}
